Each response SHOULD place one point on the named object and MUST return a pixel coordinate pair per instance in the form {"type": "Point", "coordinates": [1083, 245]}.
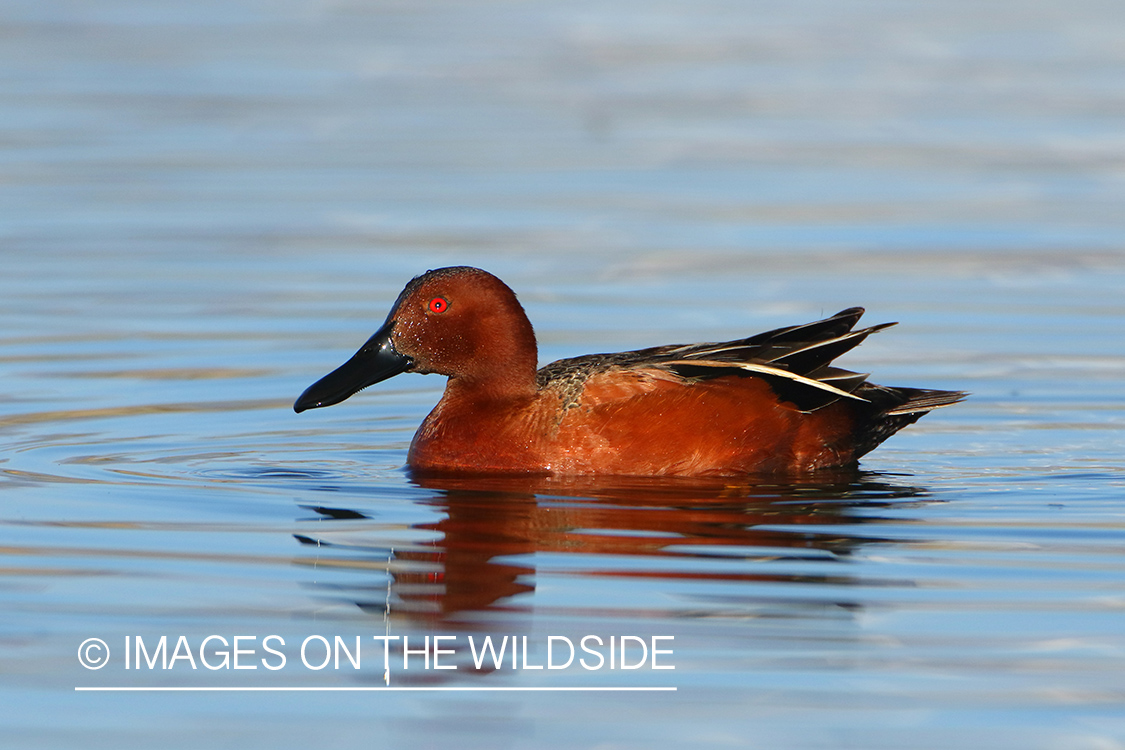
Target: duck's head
{"type": "Point", "coordinates": [461, 322]}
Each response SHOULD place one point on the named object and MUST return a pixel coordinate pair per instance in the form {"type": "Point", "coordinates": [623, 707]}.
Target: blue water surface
{"type": "Point", "coordinates": [206, 206]}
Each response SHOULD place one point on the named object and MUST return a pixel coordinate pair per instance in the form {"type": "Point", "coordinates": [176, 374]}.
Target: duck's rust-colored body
{"type": "Point", "coordinates": [771, 403]}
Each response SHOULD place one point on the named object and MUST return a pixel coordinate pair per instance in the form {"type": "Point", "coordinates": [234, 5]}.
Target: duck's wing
{"type": "Point", "coordinates": [795, 361]}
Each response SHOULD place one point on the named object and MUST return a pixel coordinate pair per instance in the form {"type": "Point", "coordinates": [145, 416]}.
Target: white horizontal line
{"type": "Point", "coordinates": [216, 689]}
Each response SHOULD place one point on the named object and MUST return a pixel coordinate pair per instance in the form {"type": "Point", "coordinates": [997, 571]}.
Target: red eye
{"type": "Point", "coordinates": [438, 305]}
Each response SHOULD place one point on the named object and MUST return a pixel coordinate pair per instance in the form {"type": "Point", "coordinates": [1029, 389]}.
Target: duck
{"type": "Point", "coordinates": [772, 403]}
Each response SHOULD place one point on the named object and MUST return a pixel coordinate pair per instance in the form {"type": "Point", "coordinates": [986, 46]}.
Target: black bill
{"type": "Point", "coordinates": [376, 361]}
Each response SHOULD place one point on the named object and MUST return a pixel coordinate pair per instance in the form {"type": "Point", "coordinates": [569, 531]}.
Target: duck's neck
{"type": "Point", "coordinates": [504, 364]}
{"type": "Point", "coordinates": [513, 382]}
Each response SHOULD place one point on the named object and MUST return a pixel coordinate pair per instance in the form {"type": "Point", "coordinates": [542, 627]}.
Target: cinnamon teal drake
{"type": "Point", "coordinates": [770, 403]}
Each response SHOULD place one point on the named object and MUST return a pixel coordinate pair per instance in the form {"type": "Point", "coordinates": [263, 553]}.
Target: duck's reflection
{"type": "Point", "coordinates": [478, 560]}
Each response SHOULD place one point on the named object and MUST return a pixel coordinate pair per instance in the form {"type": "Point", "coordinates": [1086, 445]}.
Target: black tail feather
{"type": "Point", "coordinates": [890, 409]}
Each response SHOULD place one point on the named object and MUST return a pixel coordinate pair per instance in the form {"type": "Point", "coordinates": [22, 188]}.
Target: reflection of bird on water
{"type": "Point", "coordinates": [481, 558]}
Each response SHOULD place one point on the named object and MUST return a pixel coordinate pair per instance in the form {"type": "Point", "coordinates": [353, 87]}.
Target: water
{"type": "Point", "coordinates": [206, 206]}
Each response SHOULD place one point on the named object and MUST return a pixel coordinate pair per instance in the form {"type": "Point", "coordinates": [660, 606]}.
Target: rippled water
{"type": "Point", "coordinates": [206, 206]}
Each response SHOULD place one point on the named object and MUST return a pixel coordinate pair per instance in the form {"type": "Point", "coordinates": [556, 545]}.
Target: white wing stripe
{"type": "Point", "coordinates": [767, 370]}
